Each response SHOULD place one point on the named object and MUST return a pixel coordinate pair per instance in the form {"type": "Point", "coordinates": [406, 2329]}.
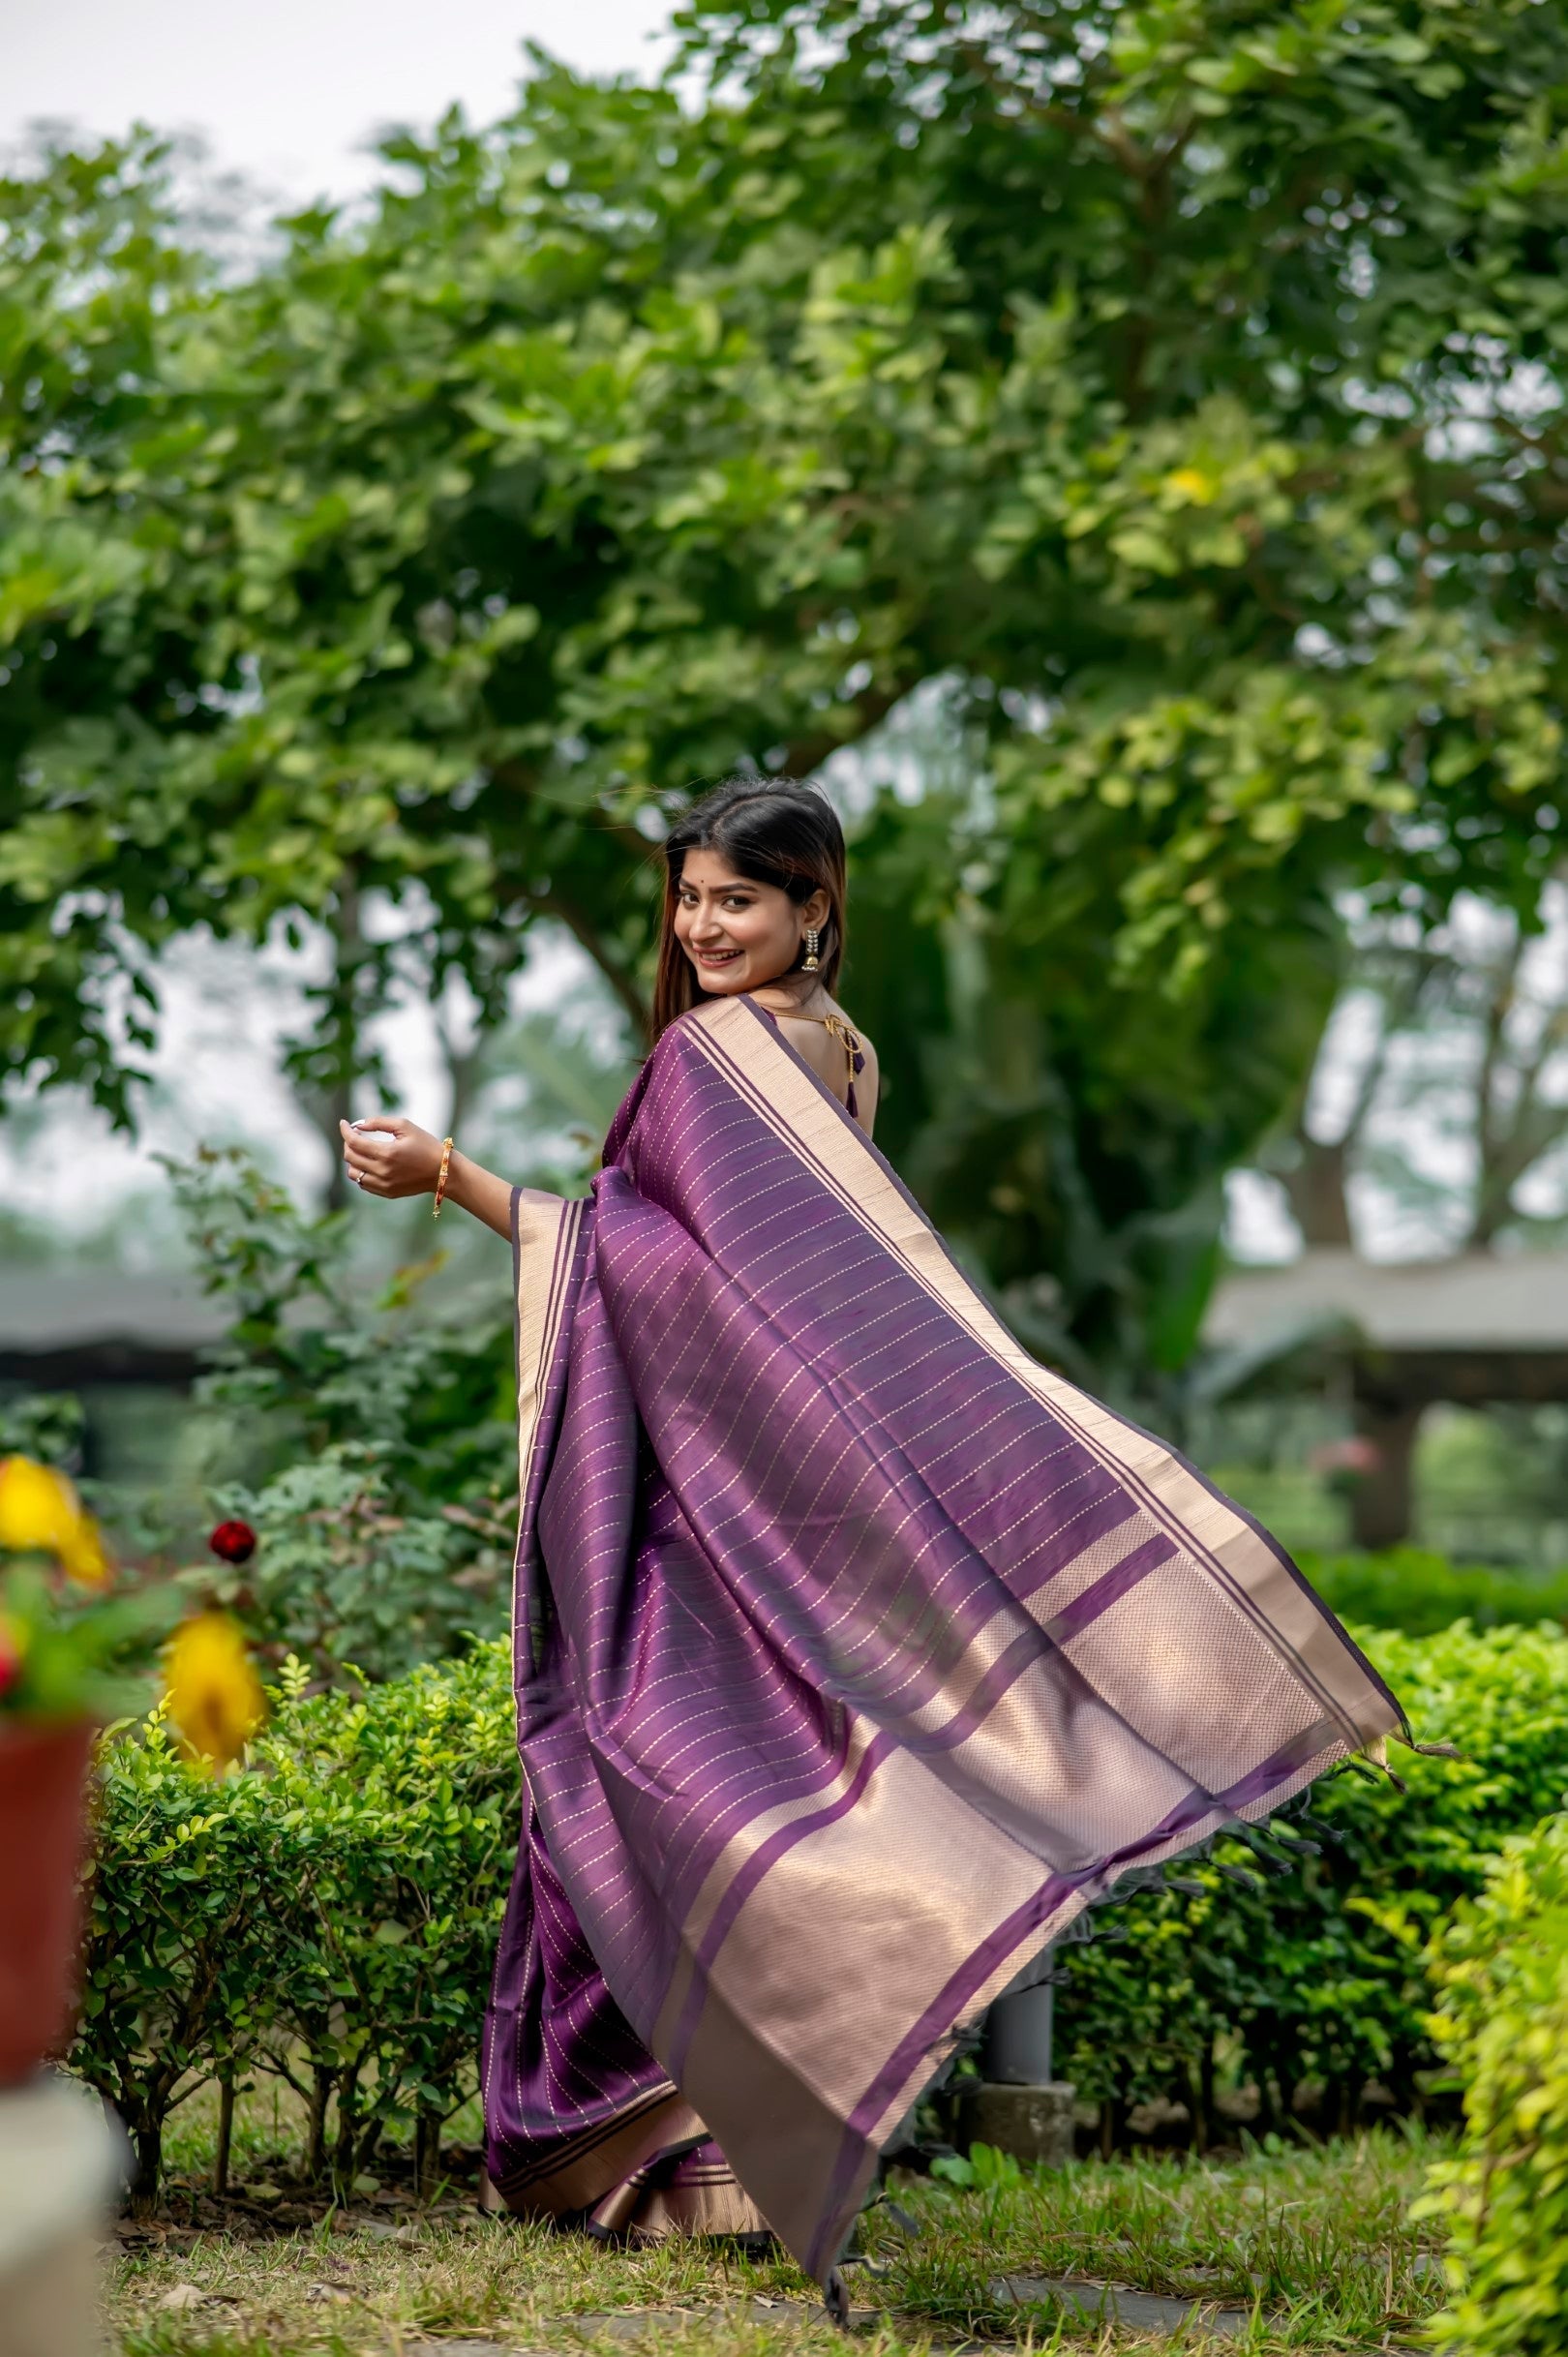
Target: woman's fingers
{"type": "Point", "coordinates": [369, 1144]}
{"type": "Point", "coordinates": [383, 1153]}
{"type": "Point", "coordinates": [368, 1154]}
{"type": "Point", "coordinates": [391, 1155]}
{"type": "Point", "coordinates": [373, 1136]}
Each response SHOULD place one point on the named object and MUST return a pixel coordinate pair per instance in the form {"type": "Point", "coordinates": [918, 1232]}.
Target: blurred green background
{"type": "Point", "coordinates": [1119, 450]}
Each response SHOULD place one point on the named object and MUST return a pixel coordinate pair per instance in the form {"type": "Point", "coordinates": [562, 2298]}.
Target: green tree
{"type": "Point", "coordinates": [1174, 387]}
{"type": "Point", "coordinates": [91, 274]}
{"type": "Point", "coordinates": [1252, 579]}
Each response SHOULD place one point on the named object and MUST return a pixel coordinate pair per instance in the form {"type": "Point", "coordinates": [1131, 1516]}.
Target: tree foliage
{"type": "Point", "coordinates": [1173, 391]}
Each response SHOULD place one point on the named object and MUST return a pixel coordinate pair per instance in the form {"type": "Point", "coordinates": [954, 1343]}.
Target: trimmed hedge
{"type": "Point", "coordinates": [1501, 1967]}
{"type": "Point", "coordinates": [1318, 1972]}
{"type": "Point", "coordinates": [331, 1913]}
{"type": "Point", "coordinates": [1410, 1589]}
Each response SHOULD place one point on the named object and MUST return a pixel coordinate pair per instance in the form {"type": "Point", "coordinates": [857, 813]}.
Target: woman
{"type": "Point", "coordinates": [855, 1653]}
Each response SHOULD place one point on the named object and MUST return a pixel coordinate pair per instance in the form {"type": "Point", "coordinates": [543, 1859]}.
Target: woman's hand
{"type": "Point", "coordinates": [389, 1155]}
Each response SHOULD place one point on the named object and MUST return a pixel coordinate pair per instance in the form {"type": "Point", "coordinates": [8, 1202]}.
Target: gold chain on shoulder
{"type": "Point", "coordinates": [837, 1029]}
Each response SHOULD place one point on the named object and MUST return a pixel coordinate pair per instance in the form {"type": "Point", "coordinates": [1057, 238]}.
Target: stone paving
{"type": "Point", "coordinates": [1114, 2304]}
{"type": "Point", "coordinates": [1144, 2311]}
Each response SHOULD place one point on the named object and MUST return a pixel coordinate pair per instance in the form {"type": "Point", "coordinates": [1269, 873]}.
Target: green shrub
{"type": "Point", "coordinates": [329, 1914]}
{"type": "Point", "coordinates": [1502, 1966]}
{"type": "Point", "coordinates": [1320, 1971]}
{"type": "Point", "coordinates": [390, 1513]}
{"type": "Point", "coordinates": [47, 1425]}
{"type": "Point", "coordinates": [1419, 1592]}
{"type": "Point", "coordinates": [350, 1573]}
{"type": "Point", "coordinates": [185, 1934]}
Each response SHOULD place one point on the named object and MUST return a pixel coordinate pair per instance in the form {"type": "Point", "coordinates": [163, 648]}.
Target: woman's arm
{"type": "Point", "coordinates": [389, 1155]}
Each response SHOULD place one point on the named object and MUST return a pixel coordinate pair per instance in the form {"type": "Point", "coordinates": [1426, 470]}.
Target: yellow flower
{"type": "Point", "coordinates": [213, 1694]}
{"type": "Point", "coordinates": [41, 1513]}
{"type": "Point", "coordinates": [1191, 484]}
{"type": "Point", "coordinates": [82, 1555]}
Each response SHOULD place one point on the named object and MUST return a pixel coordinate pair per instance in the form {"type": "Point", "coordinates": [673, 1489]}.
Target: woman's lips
{"type": "Point", "coordinates": [719, 958]}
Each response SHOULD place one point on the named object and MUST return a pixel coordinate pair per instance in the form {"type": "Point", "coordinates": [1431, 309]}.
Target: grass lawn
{"type": "Point", "coordinates": [1313, 2239]}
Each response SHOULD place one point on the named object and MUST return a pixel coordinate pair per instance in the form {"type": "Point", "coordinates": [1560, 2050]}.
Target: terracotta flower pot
{"type": "Point", "coordinates": [43, 1826]}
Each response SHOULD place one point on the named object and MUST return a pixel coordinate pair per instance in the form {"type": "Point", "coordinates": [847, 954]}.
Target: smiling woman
{"type": "Point", "coordinates": [737, 934]}
{"type": "Point", "coordinates": [855, 1655]}
{"type": "Point", "coordinates": [754, 902]}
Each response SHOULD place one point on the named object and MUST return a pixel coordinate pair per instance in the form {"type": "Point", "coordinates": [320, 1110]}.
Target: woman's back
{"type": "Point", "coordinates": [840, 1056]}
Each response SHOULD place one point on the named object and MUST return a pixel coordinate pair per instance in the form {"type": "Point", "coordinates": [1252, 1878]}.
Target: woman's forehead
{"type": "Point", "coordinates": [711, 870]}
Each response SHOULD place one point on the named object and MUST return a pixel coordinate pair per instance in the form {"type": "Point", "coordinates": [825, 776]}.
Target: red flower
{"type": "Point", "coordinates": [233, 1542]}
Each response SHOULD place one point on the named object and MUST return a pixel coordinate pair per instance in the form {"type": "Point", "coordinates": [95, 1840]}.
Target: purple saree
{"type": "Point", "coordinates": [855, 1655]}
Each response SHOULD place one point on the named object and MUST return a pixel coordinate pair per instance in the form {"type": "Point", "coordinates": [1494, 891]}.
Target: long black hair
{"type": "Point", "coordinates": [776, 831]}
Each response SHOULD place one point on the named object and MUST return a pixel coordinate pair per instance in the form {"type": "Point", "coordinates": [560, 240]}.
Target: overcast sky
{"type": "Point", "coordinates": [290, 91]}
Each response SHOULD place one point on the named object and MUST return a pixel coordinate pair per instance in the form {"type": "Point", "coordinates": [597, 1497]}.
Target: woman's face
{"type": "Point", "coordinates": [738, 934]}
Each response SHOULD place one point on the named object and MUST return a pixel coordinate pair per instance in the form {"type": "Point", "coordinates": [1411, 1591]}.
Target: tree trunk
{"type": "Point", "coordinates": [345, 2156]}
{"type": "Point", "coordinates": [332, 1101]}
{"type": "Point", "coordinates": [1382, 1501]}
{"type": "Point", "coordinates": [147, 2145]}
{"type": "Point", "coordinates": [1349, 2108]}
{"type": "Point", "coordinates": [315, 2152]}
{"type": "Point", "coordinates": [1318, 1194]}
{"type": "Point", "coordinates": [370, 2141]}
{"type": "Point", "coordinates": [338, 1106]}
{"type": "Point", "coordinates": [427, 2152]}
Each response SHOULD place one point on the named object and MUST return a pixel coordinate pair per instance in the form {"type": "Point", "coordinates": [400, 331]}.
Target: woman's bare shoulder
{"type": "Point", "coordinates": [824, 1050]}
{"type": "Point", "coordinates": [810, 1040]}
{"type": "Point", "coordinates": [826, 1053]}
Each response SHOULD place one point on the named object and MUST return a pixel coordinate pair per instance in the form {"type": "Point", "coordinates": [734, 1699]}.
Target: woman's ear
{"type": "Point", "coordinates": [815, 910]}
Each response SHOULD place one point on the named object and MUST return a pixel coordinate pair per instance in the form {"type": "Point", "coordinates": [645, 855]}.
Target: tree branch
{"type": "Point", "coordinates": [1494, 1181]}
{"type": "Point", "coordinates": [586, 933]}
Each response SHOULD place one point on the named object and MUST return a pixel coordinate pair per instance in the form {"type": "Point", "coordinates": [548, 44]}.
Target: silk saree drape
{"type": "Point", "coordinates": [855, 1655]}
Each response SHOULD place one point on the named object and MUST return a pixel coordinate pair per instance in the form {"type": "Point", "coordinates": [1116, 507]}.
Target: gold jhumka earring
{"type": "Point", "coordinates": [811, 961]}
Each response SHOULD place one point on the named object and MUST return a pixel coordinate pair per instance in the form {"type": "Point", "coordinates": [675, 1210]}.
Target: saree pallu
{"type": "Point", "coordinates": [855, 1653]}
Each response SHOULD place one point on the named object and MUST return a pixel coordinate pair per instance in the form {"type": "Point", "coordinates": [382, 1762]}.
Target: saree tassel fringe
{"type": "Point", "coordinates": [858, 1657]}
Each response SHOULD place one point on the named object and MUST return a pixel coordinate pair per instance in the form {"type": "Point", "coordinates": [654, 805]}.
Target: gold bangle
{"type": "Point", "coordinates": [441, 1182]}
